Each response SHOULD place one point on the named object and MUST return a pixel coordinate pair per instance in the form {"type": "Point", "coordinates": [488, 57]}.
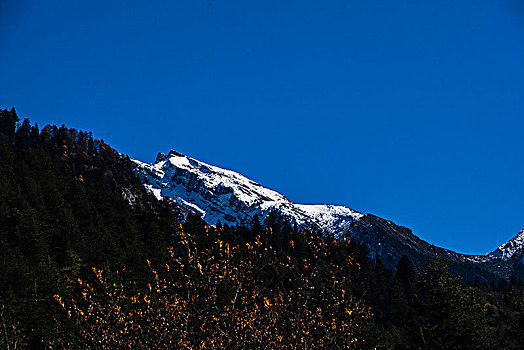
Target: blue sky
{"type": "Point", "coordinates": [411, 110]}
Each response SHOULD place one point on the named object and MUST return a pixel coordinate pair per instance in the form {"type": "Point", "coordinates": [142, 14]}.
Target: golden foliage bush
{"type": "Point", "coordinates": [213, 295]}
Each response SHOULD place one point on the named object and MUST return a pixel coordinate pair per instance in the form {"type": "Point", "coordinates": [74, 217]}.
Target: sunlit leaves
{"type": "Point", "coordinates": [223, 296]}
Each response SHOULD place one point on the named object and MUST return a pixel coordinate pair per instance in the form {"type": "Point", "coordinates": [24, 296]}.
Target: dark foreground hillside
{"type": "Point", "coordinates": [90, 260]}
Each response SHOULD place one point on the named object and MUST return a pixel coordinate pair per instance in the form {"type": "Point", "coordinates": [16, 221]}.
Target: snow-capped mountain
{"type": "Point", "coordinates": [225, 195]}
{"type": "Point", "coordinates": [220, 194]}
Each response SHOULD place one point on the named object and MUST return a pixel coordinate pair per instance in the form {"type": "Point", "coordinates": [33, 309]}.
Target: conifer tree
{"type": "Point", "coordinates": [407, 276]}
{"type": "Point", "coordinates": [448, 315]}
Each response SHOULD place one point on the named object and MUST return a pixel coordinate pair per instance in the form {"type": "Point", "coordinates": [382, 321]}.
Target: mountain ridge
{"type": "Point", "coordinates": [226, 195]}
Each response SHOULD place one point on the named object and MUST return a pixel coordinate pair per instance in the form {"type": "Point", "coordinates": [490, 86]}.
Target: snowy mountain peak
{"type": "Point", "coordinates": [512, 247]}
{"type": "Point", "coordinates": [162, 156]}
{"type": "Point", "coordinates": [221, 194]}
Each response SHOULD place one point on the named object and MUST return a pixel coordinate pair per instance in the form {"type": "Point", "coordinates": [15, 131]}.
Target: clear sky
{"type": "Point", "coordinates": [411, 110]}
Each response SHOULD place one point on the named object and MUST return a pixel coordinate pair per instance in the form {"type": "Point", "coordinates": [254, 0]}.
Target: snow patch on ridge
{"type": "Point", "coordinates": [504, 252]}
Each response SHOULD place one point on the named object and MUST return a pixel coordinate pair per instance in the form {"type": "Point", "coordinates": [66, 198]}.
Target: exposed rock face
{"type": "Point", "coordinates": [220, 194]}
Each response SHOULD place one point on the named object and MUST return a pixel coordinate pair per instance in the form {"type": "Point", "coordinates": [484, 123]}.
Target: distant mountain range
{"type": "Point", "coordinates": [225, 195]}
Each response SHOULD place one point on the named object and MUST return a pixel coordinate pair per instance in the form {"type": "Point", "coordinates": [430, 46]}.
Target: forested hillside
{"type": "Point", "coordinates": [91, 260]}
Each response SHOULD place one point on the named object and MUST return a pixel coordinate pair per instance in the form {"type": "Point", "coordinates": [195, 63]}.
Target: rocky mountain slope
{"type": "Point", "coordinates": [225, 195]}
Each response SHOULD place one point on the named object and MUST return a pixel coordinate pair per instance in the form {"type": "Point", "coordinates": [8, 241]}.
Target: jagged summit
{"type": "Point", "coordinates": [172, 153]}
{"type": "Point", "coordinates": [217, 193]}
{"type": "Point", "coordinates": [220, 194]}
{"type": "Point", "coordinates": [511, 248]}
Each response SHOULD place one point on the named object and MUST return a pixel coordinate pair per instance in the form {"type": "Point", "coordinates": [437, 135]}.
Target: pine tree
{"type": "Point", "coordinates": [407, 276]}
{"type": "Point", "coordinates": [8, 120]}
{"type": "Point", "coordinates": [448, 315]}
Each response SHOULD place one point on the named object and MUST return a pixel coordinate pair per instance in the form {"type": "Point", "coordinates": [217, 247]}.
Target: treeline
{"type": "Point", "coordinates": [89, 259]}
